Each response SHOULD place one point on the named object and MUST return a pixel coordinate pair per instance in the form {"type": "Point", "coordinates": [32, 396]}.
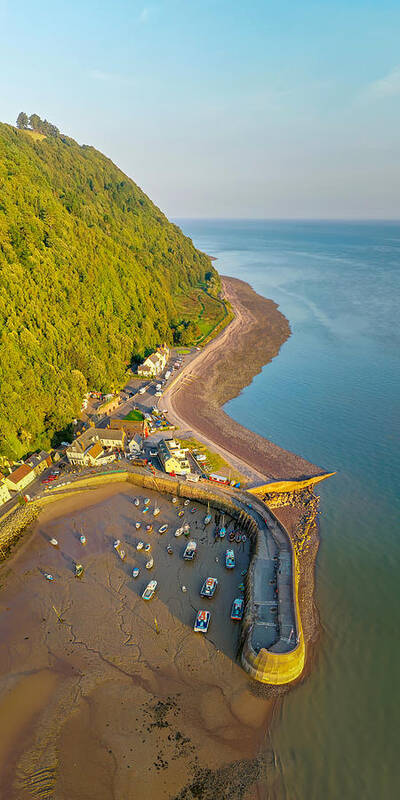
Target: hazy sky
{"type": "Point", "coordinates": [218, 107]}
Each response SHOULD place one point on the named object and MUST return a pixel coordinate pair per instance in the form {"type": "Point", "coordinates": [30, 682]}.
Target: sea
{"type": "Point", "coordinates": [332, 395]}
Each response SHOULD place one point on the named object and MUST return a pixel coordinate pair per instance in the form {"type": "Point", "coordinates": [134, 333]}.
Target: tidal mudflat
{"type": "Point", "coordinates": [104, 695]}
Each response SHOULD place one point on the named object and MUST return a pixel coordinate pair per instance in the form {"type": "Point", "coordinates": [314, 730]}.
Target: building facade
{"type": "Point", "coordinates": [20, 478]}
{"type": "Point", "coordinates": [173, 459]}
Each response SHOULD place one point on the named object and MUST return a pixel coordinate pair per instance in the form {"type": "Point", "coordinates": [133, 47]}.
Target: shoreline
{"type": "Point", "coordinates": [220, 372]}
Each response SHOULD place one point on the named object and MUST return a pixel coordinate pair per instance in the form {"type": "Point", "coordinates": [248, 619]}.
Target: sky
{"type": "Point", "coordinates": [257, 109]}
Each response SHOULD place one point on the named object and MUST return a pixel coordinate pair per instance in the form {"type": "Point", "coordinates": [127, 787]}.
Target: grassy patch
{"type": "Point", "coordinates": [214, 462]}
{"type": "Point", "coordinates": [135, 415]}
{"type": "Point", "coordinates": [182, 351]}
{"type": "Point", "coordinates": [206, 311]}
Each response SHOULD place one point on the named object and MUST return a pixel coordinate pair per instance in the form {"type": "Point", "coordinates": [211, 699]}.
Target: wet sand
{"type": "Point", "coordinates": [101, 705]}
{"type": "Point", "coordinates": [219, 373]}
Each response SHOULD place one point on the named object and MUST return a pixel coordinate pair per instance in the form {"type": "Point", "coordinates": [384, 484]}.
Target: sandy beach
{"type": "Point", "coordinates": [220, 372]}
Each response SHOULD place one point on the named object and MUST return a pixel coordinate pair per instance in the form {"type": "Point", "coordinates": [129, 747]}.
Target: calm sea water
{"type": "Point", "coordinates": [332, 394]}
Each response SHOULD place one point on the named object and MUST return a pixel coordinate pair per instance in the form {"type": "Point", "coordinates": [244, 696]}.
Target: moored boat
{"type": "Point", "coordinates": [149, 590]}
{"type": "Point", "coordinates": [54, 542]}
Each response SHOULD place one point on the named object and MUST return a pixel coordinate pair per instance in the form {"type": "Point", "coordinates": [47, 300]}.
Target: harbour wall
{"type": "Point", "coordinates": [270, 668]}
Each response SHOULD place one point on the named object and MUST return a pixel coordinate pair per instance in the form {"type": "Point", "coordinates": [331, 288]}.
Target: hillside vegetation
{"type": "Point", "coordinates": [89, 267]}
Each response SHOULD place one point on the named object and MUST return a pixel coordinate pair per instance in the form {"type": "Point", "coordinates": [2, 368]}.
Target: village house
{"type": "Point", "coordinates": [172, 458]}
{"type": "Point", "coordinates": [108, 406]}
{"type": "Point", "coordinates": [87, 449]}
{"type": "Point", "coordinates": [135, 445]}
{"type": "Point", "coordinates": [131, 426]}
{"type": "Point", "coordinates": [4, 492]}
{"type": "Point", "coordinates": [154, 364]}
{"type": "Point", "coordinates": [20, 478]}
{"type": "Point", "coordinates": [39, 462]}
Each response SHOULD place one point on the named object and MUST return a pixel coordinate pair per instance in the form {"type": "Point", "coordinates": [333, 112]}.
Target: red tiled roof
{"type": "Point", "coordinates": [19, 473]}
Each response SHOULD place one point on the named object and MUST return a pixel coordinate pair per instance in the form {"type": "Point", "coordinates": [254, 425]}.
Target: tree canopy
{"type": "Point", "coordinates": [89, 267]}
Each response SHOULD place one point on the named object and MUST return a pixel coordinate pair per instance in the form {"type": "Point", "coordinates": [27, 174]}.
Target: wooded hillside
{"type": "Point", "coordinates": [88, 270]}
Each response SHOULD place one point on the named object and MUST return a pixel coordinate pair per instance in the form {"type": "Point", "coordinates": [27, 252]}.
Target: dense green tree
{"type": "Point", "coordinates": [35, 122]}
{"type": "Point", "coordinates": [89, 268]}
{"type": "Point", "coordinates": [22, 120]}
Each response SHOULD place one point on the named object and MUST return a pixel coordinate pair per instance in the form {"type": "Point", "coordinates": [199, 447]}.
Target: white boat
{"type": "Point", "coordinates": [149, 590]}
{"type": "Point", "coordinates": [163, 528]}
{"type": "Point", "coordinates": [136, 501]}
{"type": "Point", "coordinates": [147, 501]}
{"type": "Point", "coordinates": [54, 542]}
{"type": "Point", "coordinates": [178, 532]}
{"type": "Point", "coordinates": [82, 539]}
{"type": "Point", "coordinates": [48, 576]}
{"type": "Point", "coordinates": [137, 525]}
{"type": "Point", "coordinates": [139, 546]}
{"type": "Point", "coordinates": [186, 502]}
{"type": "Point", "coordinates": [156, 511]}
{"type": "Point", "coordinates": [117, 543]}
{"type": "Point", "coordinates": [135, 572]}
{"type": "Point", "coordinates": [190, 551]}
{"type": "Point", "coordinates": [174, 499]}
{"type": "Point", "coordinates": [150, 563]}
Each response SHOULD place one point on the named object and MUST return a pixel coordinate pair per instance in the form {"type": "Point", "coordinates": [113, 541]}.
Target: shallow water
{"type": "Point", "coordinates": [332, 396]}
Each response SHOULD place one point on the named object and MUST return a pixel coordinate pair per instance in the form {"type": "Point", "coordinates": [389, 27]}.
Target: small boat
{"type": "Point", "coordinates": [174, 500]}
{"type": "Point", "coordinates": [243, 572]}
{"type": "Point", "coordinates": [244, 537]}
{"type": "Point", "coordinates": [48, 576]}
{"type": "Point", "coordinates": [82, 539]}
{"type": "Point", "coordinates": [78, 570]}
{"type": "Point", "coordinates": [238, 538]}
{"type": "Point", "coordinates": [121, 554]}
{"type": "Point", "coordinates": [186, 502]}
{"type": "Point", "coordinates": [222, 533]}
{"type": "Point", "coordinates": [137, 525]}
{"type": "Point", "coordinates": [136, 501]}
{"type": "Point", "coordinates": [241, 587]}
{"type": "Point", "coordinates": [178, 532]}
{"type": "Point", "coordinates": [190, 551]}
{"type": "Point", "coordinates": [163, 528]}
{"type": "Point", "coordinates": [231, 536]}
{"type": "Point", "coordinates": [149, 528]}
{"type": "Point", "coordinates": [192, 510]}
{"type": "Point", "coordinates": [156, 512]}
{"type": "Point", "coordinates": [117, 543]}
{"type": "Point", "coordinates": [145, 510]}
{"type": "Point", "coordinates": [181, 513]}
{"type": "Point", "coordinates": [135, 572]}
{"type": "Point", "coordinates": [139, 546]}
{"type": "Point", "coordinates": [183, 588]}
{"type": "Point", "coordinates": [54, 542]}
{"type": "Point", "coordinates": [208, 516]}
{"type": "Point", "coordinates": [169, 550]}
{"type": "Point", "coordinates": [150, 563]}
{"type": "Point", "coordinates": [149, 590]}
{"type": "Point", "coordinates": [147, 547]}
{"type": "Point", "coordinates": [147, 501]}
